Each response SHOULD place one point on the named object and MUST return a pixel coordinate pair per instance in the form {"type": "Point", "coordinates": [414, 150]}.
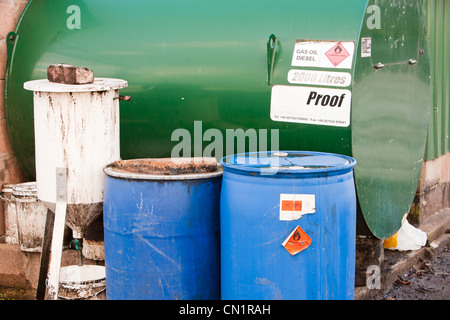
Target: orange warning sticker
{"type": "Point", "coordinates": [297, 241]}
{"type": "Point", "coordinates": [291, 205]}
{"type": "Point", "coordinates": [294, 206]}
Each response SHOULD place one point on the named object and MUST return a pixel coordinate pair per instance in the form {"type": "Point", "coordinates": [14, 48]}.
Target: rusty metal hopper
{"type": "Point", "coordinates": [77, 128]}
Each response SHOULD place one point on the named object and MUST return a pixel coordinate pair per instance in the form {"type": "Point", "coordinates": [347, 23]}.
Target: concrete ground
{"type": "Point", "coordinates": [18, 270]}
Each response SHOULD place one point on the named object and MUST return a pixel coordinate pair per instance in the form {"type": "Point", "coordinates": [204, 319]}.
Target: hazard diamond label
{"type": "Point", "coordinates": [337, 54]}
{"type": "Point", "coordinates": [297, 241]}
{"type": "Point", "coordinates": [323, 54]}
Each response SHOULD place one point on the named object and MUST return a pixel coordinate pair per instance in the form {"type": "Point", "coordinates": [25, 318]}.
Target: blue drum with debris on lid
{"type": "Point", "coordinates": [161, 229]}
{"type": "Point", "coordinates": [288, 226]}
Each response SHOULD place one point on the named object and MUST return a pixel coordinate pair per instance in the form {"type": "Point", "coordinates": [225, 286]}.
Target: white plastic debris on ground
{"type": "Point", "coordinates": [407, 238]}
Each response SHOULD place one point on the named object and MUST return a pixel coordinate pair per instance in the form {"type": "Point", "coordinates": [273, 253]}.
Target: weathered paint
{"type": "Point", "coordinates": [94, 250]}
{"type": "Point", "coordinates": [11, 233]}
{"type": "Point", "coordinates": [161, 234]}
{"type": "Point", "coordinates": [76, 127]}
{"type": "Point", "coordinates": [31, 214]}
{"type": "Point", "coordinates": [82, 282]}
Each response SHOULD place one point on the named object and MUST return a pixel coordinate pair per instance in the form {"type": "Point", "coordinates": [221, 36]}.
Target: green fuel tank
{"type": "Point", "coordinates": [348, 77]}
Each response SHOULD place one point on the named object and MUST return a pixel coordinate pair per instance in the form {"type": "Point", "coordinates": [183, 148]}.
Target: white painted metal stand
{"type": "Point", "coordinates": [58, 234]}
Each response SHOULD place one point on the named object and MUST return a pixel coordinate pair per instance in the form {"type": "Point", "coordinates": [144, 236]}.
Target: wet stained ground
{"type": "Point", "coordinates": [426, 280]}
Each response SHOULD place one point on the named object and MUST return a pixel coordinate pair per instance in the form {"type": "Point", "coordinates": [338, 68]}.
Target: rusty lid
{"type": "Point", "coordinates": [165, 168]}
{"type": "Point", "coordinates": [6, 192]}
{"type": "Point", "coordinates": [7, 188]}
{"type": "Point", "coordinates": [26, 189]}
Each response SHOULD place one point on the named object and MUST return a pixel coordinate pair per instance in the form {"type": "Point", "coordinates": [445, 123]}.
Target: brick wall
{"type": "Point", "coordinates": [10, 171]}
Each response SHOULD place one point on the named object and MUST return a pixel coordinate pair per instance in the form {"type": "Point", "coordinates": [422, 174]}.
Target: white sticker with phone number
{"type": "Point", "coordinates": [311, 105]}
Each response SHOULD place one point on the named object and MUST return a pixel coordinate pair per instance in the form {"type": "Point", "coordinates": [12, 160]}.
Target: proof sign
{"type": "Point", "coordinates": [311, 105]}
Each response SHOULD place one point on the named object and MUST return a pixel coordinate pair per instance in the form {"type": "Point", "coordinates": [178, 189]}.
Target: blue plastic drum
{"type": "Point", "coordinates": [288, 226]}
{"type": "Point", "coordinates": [161, 230]}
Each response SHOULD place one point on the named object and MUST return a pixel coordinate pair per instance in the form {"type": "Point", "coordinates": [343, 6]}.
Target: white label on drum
{"type": "Point", "coordinates": [294, 206]}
